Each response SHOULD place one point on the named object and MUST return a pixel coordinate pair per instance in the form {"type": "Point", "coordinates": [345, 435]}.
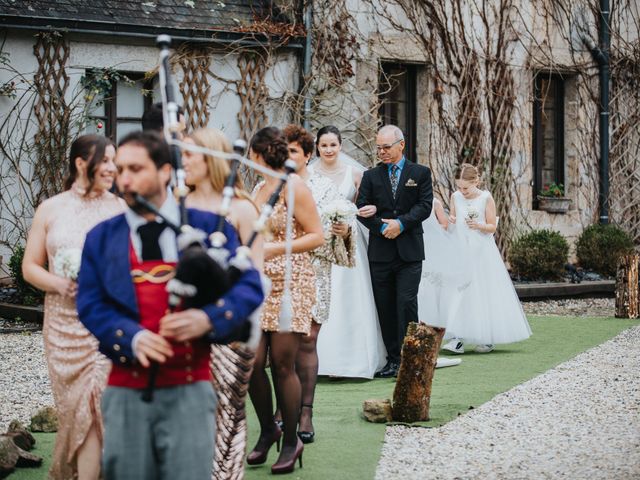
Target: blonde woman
{"type": "Point", "coordinates": [78, 372]}
{"type": "Point", "coordinates": [231, 365]}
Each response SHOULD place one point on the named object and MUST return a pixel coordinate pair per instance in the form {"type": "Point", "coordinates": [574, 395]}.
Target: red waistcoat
{"type": "Point", "coordinates": [190, 361]}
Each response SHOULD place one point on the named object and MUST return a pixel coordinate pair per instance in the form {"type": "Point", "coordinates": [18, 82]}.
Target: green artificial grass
{"type": "Point", "coordinates": [347, 447]}
{"type": "Point", "coordinates": [44, 449]}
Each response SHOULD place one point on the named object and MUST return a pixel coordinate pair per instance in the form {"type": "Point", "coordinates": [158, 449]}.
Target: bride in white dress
{"type": "Point", "coordinates": [350, 343]}
{"type": "Point", "coordinates": [490, 312]}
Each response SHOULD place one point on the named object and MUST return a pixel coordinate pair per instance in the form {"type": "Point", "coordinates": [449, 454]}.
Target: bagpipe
{"type": "Point", "coordinates": [204, 274]}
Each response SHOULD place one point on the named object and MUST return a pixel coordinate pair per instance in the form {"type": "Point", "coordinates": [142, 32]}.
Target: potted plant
{"type": "Point", "coordinates": [551, 199]}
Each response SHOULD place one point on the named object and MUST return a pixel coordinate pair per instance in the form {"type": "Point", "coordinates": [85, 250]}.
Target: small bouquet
{"type": "Point", "coordinates": [66, 263]}
{"type": "Point", "coordinates": [339, 211]}
{"type": "Point", "coordinates": [472, 213]}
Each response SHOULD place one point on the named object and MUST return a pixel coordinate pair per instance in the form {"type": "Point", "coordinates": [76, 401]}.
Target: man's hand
{"type": "Point", "coordinates": [152, 347]}
{"type": "Point", "coordinates": [186, 325]}
{"type": "Point", "coordinates": [367, 211]}
{"type": "Point", "coordinates": [392, 230]}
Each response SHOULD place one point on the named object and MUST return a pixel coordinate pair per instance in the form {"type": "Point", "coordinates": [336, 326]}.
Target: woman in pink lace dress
{"type": "Point", "coordinates": [77, 370]}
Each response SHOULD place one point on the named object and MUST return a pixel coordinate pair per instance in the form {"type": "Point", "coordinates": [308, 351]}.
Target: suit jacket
{"type": "Point", "coordinates": [412, 205]}
{"type": "Point", "coordinates": [106, 298]}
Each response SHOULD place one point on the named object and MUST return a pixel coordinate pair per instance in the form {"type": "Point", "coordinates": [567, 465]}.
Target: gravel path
{"type": "Point", "coordinates": [24, 380]}
{"type": "Point", "coordinates": [578, 420]}
{"type": "Point", "coordinates": [575, 307]}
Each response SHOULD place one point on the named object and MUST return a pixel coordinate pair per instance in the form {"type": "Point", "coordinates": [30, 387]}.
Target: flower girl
{"type": "Point", "coordinates": [490, 312]}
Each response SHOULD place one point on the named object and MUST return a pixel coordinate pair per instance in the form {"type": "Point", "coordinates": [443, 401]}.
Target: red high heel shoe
{"type": "Point", "coordinates": [289, 465]}
{"type": "Point", "coordinates": [258, 457]}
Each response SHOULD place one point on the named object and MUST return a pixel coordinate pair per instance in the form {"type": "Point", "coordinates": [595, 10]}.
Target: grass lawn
{"type": "Point", "coordinates": [347, 447]}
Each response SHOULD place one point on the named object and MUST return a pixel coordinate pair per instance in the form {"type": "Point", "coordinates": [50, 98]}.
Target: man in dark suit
{"type": "Point", "coordinates": [402, 194]}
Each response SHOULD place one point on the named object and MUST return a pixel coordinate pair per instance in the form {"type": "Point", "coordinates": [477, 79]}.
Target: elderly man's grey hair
{"type": "Point", "coordinates": [397, 133]}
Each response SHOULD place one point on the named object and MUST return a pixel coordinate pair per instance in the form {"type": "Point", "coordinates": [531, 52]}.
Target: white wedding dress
{"type": "Point", "coordinates": [445, 275]}
{"type": "Point", "coordinates": [489, 311]}
{"type": "Point", "coordinates": [350, 342]}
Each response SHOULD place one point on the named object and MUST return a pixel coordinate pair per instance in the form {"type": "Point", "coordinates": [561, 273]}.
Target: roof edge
{"type": "Point", "coordinates": [220, 37]}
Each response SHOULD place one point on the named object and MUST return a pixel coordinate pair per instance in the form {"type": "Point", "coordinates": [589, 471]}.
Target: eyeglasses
{"type": "Point", "coordinates": [386, 147]}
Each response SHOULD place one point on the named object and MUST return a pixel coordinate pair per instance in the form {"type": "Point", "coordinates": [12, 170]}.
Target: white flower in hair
{"type": "Point", "coordinates": [66, 262]}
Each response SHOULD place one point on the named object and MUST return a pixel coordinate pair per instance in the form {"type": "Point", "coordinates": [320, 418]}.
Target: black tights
{"type": "Point", "coordinates": [307, 368]}
{"type": "Point", "coordinates": [283, 348]}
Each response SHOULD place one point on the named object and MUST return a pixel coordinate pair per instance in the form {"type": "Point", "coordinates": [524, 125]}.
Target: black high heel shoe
{"type": "Point", "coordinates": [258, 457]}
{"type": "Point", "coordinates": [289, 465]}
{"type": "Point", "coordinates": [307, 437]}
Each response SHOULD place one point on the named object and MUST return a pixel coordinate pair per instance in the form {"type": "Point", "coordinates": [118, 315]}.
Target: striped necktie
{"type": "Point", "coordinates": [394, 179]}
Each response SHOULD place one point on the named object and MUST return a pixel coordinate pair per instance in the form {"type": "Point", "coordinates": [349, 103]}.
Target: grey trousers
{"type": "Point", "coordinates": [171, 438]}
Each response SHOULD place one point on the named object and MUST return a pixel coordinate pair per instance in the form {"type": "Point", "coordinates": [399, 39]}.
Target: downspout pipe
{"type": "Point", "coordinates": [601, 56]}
{"type": "Point", "coordinates": [306, 65]}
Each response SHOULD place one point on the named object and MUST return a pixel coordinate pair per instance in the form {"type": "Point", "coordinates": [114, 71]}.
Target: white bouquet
{"type": "Point", "coordinates": [66, 262]}
{"type": "Point", "coordinates": [340, 250]}
{"type": "Point", "coordinates": [339, 211]}
{"type": "Point", "coordinates": [472, 213]}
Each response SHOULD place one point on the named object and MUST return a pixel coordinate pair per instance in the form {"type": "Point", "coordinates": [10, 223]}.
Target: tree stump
{"type": "Point", "coordinates": [627, 295]}
{"type": "Point", "coordinates": [413, 387]}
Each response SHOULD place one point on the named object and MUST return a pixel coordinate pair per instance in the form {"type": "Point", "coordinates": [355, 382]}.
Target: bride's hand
{"type": "Point", "coordinates": [340, 229]}
{"type": "Point", "coordinates": [452, 219]}
{"type": "Point", "coordinates": [367, 211]}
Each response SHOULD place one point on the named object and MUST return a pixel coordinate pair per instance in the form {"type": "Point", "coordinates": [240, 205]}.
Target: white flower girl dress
{"type": "Point", "coordinates": [489, 310]}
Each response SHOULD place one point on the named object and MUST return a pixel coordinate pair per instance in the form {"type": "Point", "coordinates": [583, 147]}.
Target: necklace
{"type": "Point", "coordinates": [82, 191]}
{"type": "Point", "coordinates": [330, 171]}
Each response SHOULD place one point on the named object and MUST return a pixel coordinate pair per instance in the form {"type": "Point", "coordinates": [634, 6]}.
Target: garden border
{"type": "Point", "coordinates": [529, 291]}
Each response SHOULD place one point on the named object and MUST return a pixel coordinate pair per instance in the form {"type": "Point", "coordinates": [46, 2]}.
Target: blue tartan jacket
{"type": "Point", "coordinates": [106, 298]}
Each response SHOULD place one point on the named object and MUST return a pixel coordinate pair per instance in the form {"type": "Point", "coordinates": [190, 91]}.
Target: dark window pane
{"type": "Point", "coordinates": [123, 128]}
{"type": "Point", "coordinates": [398, 101]}
{"type": "Point", "coordinates": [130, 102]}
{"type": "Point", "coordinates": [548, 132]}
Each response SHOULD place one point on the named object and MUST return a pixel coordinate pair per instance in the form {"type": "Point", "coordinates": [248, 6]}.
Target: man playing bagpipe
{"type": "Point", "coordinates": [122, 299]}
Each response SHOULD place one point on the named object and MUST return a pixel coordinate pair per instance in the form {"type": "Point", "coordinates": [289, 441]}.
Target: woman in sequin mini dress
{"type": "Point", "coordinates": [282, 333]}
{"type": "Point", "coordinates": [231, 365]}
{"type": "Point", "coordinates": [338, 249]}
{"type": "Point", "coordinates": [77, 371]}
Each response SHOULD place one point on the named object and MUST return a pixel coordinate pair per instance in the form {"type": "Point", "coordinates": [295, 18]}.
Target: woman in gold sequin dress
{"type": "Point", "coordinates": [269, 148]}
{"type": "Point", "coordinates": [231, 365]}
{"type": "Point", "coordinates": [339, 249]}
{"type": "Point", "coordinates": [77, 371]}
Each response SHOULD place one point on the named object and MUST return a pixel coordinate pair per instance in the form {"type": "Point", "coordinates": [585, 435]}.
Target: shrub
{"type": "Point", "coordinates": [539, 255]}
{"type": "Point", "coordinates": [27, 294]}
{"type": "Point", "coordinates": [600, 246]}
